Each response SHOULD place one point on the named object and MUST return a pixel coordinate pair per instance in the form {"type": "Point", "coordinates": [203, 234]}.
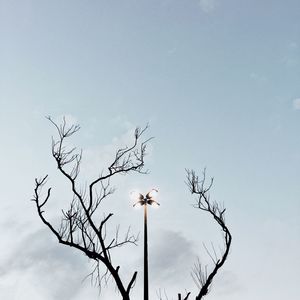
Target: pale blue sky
{"type": "Point", "coordinates": [218, 82]}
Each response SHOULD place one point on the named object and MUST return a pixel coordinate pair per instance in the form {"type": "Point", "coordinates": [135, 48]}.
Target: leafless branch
{"type": "Point", "coordinates": [185, 297]}
{"type": "Point", "coordinates": [78, 228]}
{"type": "Point", "coordinates": [161, 296]}
{"type": "Point", "coordinates": [200, 274]}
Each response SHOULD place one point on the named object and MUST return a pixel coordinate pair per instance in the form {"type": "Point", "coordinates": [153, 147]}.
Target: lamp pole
{"type": "Point", "coordinates": [144, 201]}
{"type": "Point", "coordinates": [146, 286]}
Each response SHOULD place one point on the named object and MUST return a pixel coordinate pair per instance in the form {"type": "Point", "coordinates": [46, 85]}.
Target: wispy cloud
{"type": "Point", "coordinates": [227, 283]}
{"type": "Point", "coordinates": [42, 259]}
{"type": "Point", "coordinates": [208, 6]}
{"type": "Point", "coordinates": [103, 155]}
{"type": "Point", "coordinates": [296, 104]}
{"type": "Point", "coordinates": [173, 256]}
{"type": "Point", "coordinates": [291, 57]}
{"type": "Point", "coordinates": [290, 61]}
{"type": "Point", "coordinates": [70, 119]}
{"type": "Point", "coordinates": [258, 77]}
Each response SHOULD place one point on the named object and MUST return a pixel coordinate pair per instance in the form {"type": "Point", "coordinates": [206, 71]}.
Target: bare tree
{"type": "Point", "coordinates": [200, 274]}
{"type": "Point", "coordinates": [79, 228]}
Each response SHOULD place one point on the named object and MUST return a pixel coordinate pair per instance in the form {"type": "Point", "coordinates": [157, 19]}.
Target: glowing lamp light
{"type": "Point", "coordinates": [136, 196]}
{"type": "Point", "coordinates": [144, 200]}
{"type": "Point", "coordinates": [152, 194]}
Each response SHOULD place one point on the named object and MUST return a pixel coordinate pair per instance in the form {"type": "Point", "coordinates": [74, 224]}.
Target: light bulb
{"type": "Point", "coordinates": [152, 194]}
{"type": "Point", "coordinates": [136, 196]}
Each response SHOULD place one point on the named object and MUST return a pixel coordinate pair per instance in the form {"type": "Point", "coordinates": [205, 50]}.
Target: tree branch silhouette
{"type": "Point", "coordinates": [200, 274]}
{"type": "Point", "coordinates": [78, 228]}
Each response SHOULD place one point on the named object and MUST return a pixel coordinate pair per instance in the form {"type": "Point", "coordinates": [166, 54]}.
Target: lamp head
{"type": "Point", "coordinates": [151, 201]}
{"type": "Point", "coordinates": [150, 197]}
{"type": "Point", "coordinates": [136, 196]}
{"type": "Point", "coordinates": [152, 194]}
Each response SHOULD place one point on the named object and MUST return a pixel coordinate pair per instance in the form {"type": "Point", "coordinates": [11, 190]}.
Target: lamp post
{"type": "Point", "coordinates": [144, 201]}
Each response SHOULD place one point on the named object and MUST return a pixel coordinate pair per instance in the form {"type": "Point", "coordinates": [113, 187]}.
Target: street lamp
{"type": "Point", "coordinates": [143, 201]}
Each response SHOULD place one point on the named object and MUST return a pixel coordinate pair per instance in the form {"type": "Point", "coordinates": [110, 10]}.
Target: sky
{"type": "Point", "coordinates": [217, 81]}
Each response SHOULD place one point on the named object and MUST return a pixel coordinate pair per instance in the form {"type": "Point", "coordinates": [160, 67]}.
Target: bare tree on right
{"type": "Point", "coordinates": [200, 274]}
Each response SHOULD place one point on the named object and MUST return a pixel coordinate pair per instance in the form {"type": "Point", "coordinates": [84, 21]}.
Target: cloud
{"type": "Point", "coordinates": [290, 61]}
{"type": "Point", "coordinates": [70, 119]}
{"type": "Point", "coordinates": [99, 157]}
{"type": "Point", "coordinates": [227, 283]}
{"type": "Point", "coordinates": [41, 262]}
{"type": "Point", "coordinates": [258, 77]}
{"type": "Point", "coordinates": [293, 45]}
{"type": "Point", "coordinates": [291, 57]}
{"type": "Point", "coordinates": [208, 6]}
{"type": "Point", "coordinates": [172, 258]}
{"type": "Point", "coordinates": [296, 104]}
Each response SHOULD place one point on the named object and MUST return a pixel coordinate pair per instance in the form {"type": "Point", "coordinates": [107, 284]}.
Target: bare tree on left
{"type": "Point", "coordinates": [79, 228]}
